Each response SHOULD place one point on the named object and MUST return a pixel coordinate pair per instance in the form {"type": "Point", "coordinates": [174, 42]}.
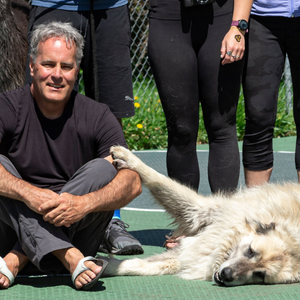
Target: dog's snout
{"type": "Point", "coordinates": [226, 274]}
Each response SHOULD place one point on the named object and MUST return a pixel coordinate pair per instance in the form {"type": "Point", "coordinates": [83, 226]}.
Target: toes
{"type": "Point", "coordinates": [4, 282]}
{"type": "Point", "coordinates": [84, 278]}
{"type": "Point", "coordinates": [88, 275]}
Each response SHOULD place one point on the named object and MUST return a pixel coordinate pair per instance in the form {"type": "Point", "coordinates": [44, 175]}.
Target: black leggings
{"type": "Point", "coordinates": [270, 39]}
{"type": "Point", "coordinates": [185, 60]}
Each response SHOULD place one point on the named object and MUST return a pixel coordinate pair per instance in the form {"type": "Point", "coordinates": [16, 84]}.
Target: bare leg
{"type": "Point", "coordinates": [70, 258]}
{"type": "Point", "coordinates": [298, 173]}
{"type": "Point", "coordinates": [255, 178]}
{"type": "Point", "coordinates": [15, 262]}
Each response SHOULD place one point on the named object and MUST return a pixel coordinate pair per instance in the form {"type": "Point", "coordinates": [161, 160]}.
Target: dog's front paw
{"type": "Point", "coordinates": [120, 156]}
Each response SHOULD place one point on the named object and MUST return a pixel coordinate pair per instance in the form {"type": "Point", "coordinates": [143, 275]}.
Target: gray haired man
{"type": "Point", "coordinates": [58, 187]}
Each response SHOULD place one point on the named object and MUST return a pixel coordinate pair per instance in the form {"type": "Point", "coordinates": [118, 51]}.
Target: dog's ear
{"type": "Point", "coordinates": [264, 228]}
{"type": "Point", "coordinates": [259, 227]}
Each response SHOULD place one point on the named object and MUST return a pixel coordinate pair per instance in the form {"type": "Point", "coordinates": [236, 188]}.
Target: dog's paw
{"type": "Point", "coordinates": [120, 156]}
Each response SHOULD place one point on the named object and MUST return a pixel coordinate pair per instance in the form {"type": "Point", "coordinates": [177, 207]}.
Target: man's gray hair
{"type": "Point", "coordinates": [55, 29]}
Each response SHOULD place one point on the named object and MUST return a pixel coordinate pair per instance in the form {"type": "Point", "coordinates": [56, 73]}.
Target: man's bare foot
{"type": "Point", "coordinates": [15, 262]}
{"type": "Point", "coordinates": [70, 258]}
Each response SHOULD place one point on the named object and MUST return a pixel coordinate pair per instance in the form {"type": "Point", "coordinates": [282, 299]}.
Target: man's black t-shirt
{"type": "Point", "coordinates": [47, 152]}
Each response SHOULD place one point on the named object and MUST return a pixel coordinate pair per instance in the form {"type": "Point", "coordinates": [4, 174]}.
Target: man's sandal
{"type": "Point", "coordinates": [6, 272]}
{"type": "Point", "coordinates": [81, 268]}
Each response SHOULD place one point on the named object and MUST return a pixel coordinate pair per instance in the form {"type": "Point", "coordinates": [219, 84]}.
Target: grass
{"type": "Point", "coordinates": [148, 130]}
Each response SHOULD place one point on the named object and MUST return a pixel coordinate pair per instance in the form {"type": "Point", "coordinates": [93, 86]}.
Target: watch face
{"type": "Point", "coordinates": [243, 25]}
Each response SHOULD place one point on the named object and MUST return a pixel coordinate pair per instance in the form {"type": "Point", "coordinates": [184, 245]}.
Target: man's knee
{"type": "Point", "coordinates": [94, 175]}
{"type": "Point", "coordinates": [100, 167]}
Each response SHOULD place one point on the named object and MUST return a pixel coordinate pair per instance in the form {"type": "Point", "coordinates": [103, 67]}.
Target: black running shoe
{"type": "Point", "coordinates": [119, 241]}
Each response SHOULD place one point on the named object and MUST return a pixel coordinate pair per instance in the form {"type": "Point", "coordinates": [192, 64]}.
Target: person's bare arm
{"type": "Point", "coordinates": [118, 193]}
{"type": "Point", "coordinates": [234, 40]}
{"type": "Point", "coordinates": [18, 189]}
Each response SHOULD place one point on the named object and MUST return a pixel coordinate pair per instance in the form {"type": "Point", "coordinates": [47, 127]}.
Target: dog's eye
{"type": "Point", "coordinates": [250, 253]}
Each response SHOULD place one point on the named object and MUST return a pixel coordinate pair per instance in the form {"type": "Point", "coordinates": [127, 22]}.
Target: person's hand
{"type": "Point", "coordinates": [38, 197]}
{"type": "Point", "coordinates": [64, 210]}
{"type": "Point", "coordinates": [233, 46]}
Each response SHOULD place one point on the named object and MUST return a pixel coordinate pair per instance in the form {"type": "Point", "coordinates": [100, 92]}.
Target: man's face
{"type": "Point", "coordinates": [54, 72]}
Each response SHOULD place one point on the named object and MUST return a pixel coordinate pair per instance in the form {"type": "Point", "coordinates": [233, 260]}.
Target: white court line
{"type": "Point", "coordinates": [164, 151]}
{"type": "Point", "coordinates": [143, 209]}
{"type": "Point", "coordinates": [285, 152]}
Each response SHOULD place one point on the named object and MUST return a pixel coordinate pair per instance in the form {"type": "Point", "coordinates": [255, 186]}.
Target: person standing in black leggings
{"type": "Point", "coordinates": [185, 40]}
{"type": "Point", "coordinates": [275, 33]}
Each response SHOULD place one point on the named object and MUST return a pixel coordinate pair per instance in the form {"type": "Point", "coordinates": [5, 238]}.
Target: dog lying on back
{"type": "Point", "coordinates": [250, 237]}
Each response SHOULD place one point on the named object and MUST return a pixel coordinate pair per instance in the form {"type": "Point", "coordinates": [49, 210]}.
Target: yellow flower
{"type": "Point", "coordinates": [137, 104]}
{"type": "Point", "coordinates": [158, 100]}
{"type": "Point", "coordinates": [136, 97]}
{"type": "Point", "coordinates": [140, 126]}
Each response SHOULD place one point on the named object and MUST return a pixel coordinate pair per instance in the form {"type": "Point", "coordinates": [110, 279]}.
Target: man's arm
{"type": "Point", "coordinates": [18, 189]}
{"type": "Point", "coordinates": [118, 193]}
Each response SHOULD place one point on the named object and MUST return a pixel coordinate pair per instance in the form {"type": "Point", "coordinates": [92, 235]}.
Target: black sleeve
{"type": "Point", "coordinates": [108, 133]}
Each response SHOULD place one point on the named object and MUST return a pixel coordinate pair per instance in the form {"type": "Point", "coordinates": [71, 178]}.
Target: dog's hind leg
{"type": "Point", "coordinates": [190, 210]}
{"type": "Point", "coordinates": [162, 264]}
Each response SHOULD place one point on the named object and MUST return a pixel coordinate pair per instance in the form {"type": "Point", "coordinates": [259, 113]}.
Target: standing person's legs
{"type": "Point", "coordinates": [113, 38]}
{"type": "Point", "coordinates": [263, 69]}
{"type": "Point", "coordinates": [219, 92]}
{"type": "Point", "coordinates": [292, 30]}
{"type": "Point", "coordinates": [174, 65]}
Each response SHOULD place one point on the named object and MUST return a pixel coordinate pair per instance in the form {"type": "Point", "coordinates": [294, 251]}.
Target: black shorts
{"type": "Point", "coordinates": [113, 38]}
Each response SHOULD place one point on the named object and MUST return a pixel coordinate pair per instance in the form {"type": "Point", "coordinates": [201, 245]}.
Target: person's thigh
{"type": "Point", "coordinates": [174, 65]}
{"type": "Point", "coordinates": [262, 75]}
{"type": "Point", "coordinates": [113, 39]}
{"type": "Point", "coordinates": [219, 84]}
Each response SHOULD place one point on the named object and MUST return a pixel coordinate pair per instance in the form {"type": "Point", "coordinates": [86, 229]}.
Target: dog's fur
{"type": "Point", "coordinates": [250, 237]}
{"type": "Point", "coordinates": [13, 43]}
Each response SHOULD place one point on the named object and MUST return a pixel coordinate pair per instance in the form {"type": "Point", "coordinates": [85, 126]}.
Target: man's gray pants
{"type": "Point", "coordinates": [24, 230]}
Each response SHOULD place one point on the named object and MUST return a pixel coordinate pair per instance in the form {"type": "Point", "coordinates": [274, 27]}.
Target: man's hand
{"type": "Point", "coordinates": [38, 197]}
{"type": "Point", "coordinates": [65, 210]}
{"type": "Point", "coordinates": [233, 46]}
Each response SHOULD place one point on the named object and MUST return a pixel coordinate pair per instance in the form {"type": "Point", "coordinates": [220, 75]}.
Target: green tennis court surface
{"type": "Point", "coordinates": [150, 225]}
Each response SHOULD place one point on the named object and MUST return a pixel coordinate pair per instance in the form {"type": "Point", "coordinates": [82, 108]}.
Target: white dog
{"type": "Point", "coordinates": [250, 237]}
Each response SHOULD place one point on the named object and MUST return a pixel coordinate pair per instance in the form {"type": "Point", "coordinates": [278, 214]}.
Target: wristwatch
{"type": "Point", "coordinates": [241, 24]}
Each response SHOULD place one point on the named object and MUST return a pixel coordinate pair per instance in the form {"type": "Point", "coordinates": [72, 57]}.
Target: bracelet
{"type": "Point", "coordinates": [243, 32]}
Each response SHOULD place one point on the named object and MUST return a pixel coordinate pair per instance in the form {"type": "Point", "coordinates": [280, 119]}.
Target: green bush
{"type": "Point", "coordinates": [147, 129]}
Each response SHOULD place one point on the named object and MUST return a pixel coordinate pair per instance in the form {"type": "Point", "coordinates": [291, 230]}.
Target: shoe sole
{"type": "Point", "coordinates": [128, 250]}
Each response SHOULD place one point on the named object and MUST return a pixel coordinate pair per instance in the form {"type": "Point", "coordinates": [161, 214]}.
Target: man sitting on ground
{"type": "Point", "coordinates": [58, 186]}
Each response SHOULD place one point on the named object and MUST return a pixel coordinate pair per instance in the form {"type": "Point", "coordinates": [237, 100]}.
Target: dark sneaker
{"type": "Point", "coordinates": [119, 241]}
